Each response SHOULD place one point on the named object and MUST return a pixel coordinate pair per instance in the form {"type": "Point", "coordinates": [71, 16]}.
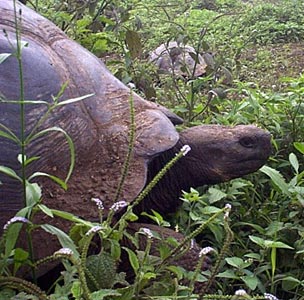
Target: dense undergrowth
{"type": "Point", "coordinates": [246, 41]}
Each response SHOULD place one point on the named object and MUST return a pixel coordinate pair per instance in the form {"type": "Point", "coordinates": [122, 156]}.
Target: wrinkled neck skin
{"type": "Point", "coordinates": [189, 171]}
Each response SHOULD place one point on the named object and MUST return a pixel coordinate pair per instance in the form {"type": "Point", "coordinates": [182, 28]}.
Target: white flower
{"type": "Point", "coordinates": [118, 205]}
{"type": "Point", "coordinates": [64, 251]}
{"type": "Point", "coordinates": [270, 296]}
{"type": "Point", "coordinates": [99, 203]}
{"type": "Point", "coordinates": [147, 232]}
{"type": "Point", "coordinates": [227, 210]}
{"type": "Point", "coordinates": [192, 243]}
{"type": "Point", "coordinates": [240, 292]}
{"type": "Point", "coordinates": [15, 220]}
{"type": "Point", "coordinates": [185, 149]}
{"type": "Point", "coordinates": [205, 251]}
{"type": "Point", "coordinates": [94, 230]}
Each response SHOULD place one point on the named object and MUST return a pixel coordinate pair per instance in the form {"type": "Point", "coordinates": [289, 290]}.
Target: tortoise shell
{"type": "Point", "coordinates": [98, 125]}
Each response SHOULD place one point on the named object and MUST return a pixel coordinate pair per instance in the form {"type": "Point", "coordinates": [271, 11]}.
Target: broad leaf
{"type": "Point", "coordinates": [215, 195]}
{"type": "Point", "coordinates": [33, 194]}
{"type": "Point", "coordinates": [235, 262]}
{"type": "Point", "coordinates": [299, 146]}
{"type": "Point", "coordinates": [276, 178]}
{"type": "Point", "coordinates": [251, 281]}
{"type": "Point", "coordinates": [273, 244]}
{"type": "Point", "coordinates": [133, 259]}
{"type": "Point", "coordinates": [64, 239]}
{"type": "Point", "coordinates": [294, 162]}
{"type": "Point", "coordinates": [12, 233]}
{"type": "Point", "coordinates": [227, 274]}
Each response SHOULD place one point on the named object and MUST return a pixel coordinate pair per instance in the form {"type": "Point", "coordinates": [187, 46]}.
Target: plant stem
{"type": "Point", "coordinates": [23, 126]}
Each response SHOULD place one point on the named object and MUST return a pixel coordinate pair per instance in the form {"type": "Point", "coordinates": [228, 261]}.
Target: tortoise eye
{"type": "Point", "coordinates": [248, 142]}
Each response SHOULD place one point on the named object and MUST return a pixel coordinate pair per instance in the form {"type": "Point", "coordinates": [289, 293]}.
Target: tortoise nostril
{"type": "Point", "coordinates": [248, 142]}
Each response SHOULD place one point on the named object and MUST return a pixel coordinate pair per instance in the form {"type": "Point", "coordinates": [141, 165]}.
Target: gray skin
{"type": "Point", "coordinates": [99, 127]}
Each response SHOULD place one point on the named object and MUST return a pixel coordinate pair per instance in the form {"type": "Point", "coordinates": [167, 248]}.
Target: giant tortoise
{"type": "Point", "coordinates": [99, 127]}
{"type": "Point", "coordinates": [178, 59]}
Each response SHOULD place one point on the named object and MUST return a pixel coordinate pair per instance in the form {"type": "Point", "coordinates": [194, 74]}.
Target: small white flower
{"type": "Point", "coordinates": [131, 85]}
{"type": "Point", "coordinates": [147, 232]}
{"type": "Point", "coordinates": [64, 251]}
{"type": "Point", "coordinates": [15, 220]}
{"type": "Point", "coordinates": [192, 243]}
{"type": "Point", "coordinates": [228, 209]}
{"type": "Point", "coordinates": [185, 149]}
{"type": "Point", "coordinates": [118, 205]}
{"type": "Point", "coordinates": [94, 230]}
{"type": "Point", "coordinates": [99, 203]}
{"type": "Point", "coordinates": [205, 251]}
{"type": "Point", "coordinates": [240, 292]}
{"type": "Point", "coordinates": [270, 296]}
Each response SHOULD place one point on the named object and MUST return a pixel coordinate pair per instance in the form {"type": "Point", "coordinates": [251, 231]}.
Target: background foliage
{"type": "Point", "coordinates": [254, 76]}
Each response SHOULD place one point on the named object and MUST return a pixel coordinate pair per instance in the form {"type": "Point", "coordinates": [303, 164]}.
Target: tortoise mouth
{"type": "Point", "coordinates": [247, 166]}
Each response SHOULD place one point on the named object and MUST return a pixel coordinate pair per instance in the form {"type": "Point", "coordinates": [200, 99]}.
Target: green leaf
{"type": "Point", "coordinates": [273, 244]}
{"type": "Point", "coordinates": [4, 56]}
{"type": "Point", "coordinates": [20, 256]}
{"type": "Point", "coordinates": [250, 281]}
{"type": "Point", "coordinates": [290, 283]}
{"type": "Point", "coordinates": [164, 251]}
{"type": "Point", "coordinates": [133, 259]}
{"type": "Point", "coordinates": [149, 275]}
{"type": "Point", "coordinates": [73, 100]}
{"type": "Point", "coordinates": [257, 240]}
{"type": "Point", "coordinates": [53, 177]}
{"type": "Point", "coordinates": [7, 294]}
{"type": "Point", "coordinates": [299, 146]}
{"type": "Point", "coordinates": [31, 159]}
{"type": "Point", "coordinates": [258, 228]}
{"type": "Point", "coordinates": [277, 178]}
{"type": "Point", "coordinates": [70, 217]}
{"type": "Point", "coordinates": [178, 271]}
{"type": "Point", "coordinates": [99, 295]}
{"type": "Point", "coordinates": [76, 290]}
{"type": "Point", "coordinates": [227, 274]}
{"type": "Point", "coordinates": [9, 135]}
{"type": "Point", "coordinates": [46, 210]}
{"type": "Point", "coordinates": [273, 257]}
{"type": "Point", "coordinates": [71, 147]}
{"type": "Point", "coordinates": [10, 172]}
{"type": "Point", "coordinates": [215, 195]}
{"type": "Point", "coordinates": [33, 193]}
{"type": "Point", "coordinates": [294, 162]}
{"type": "Point", "coordinates": [12, 233]}
{"type": "Point", "coordinates": [235, 262]}
{"type": "Point", "coordinates": [64, 239]}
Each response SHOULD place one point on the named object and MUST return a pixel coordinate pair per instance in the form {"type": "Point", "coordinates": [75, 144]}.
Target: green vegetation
{"type": "Point", "coordinates": [255, 77]}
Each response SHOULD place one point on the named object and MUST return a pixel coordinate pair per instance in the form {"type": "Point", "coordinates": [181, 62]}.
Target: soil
{"type": "Point", "coordinates": [267, 65]}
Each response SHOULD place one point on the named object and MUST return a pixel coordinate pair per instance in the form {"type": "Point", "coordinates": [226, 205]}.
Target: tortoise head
{"type": "Point", "coordinates": [221, 153]}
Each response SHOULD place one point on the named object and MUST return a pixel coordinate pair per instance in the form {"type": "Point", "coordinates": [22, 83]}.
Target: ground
{"type": "Point", "coordinates": [265, 65]}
